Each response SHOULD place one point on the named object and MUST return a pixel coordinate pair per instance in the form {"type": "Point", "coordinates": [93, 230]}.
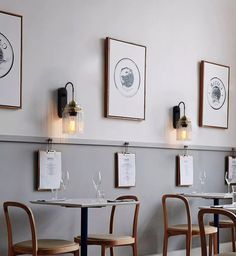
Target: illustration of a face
{"type": "Point", "coordinates": [216, 94]}
{"type": "Point", "coordinates": [127, 77]}
{"type": "Point", "coordinates": [1, 56]}
{"type": "Point", "coordinates": [6, 56]}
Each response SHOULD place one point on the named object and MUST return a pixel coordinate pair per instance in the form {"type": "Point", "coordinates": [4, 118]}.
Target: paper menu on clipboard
{"type": "Point", "coordinates": [49, 176]}
{"type": "Point", "coordinates": [125, 170]}
{"type": "Point", "coordinates": [184, 170]}
{"type": "Point", "coordinates": [232, 168]}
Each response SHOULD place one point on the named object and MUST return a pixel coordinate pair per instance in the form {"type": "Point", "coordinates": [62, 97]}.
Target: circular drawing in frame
{"type": "Point", "coordinates": [216, 93]}
{"type": "Point", "coordinates": [6, 56]}
{"type": "Point", "coordinates": [127, 77]}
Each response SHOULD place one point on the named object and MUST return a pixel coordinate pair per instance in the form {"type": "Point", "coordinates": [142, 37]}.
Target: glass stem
{"type": "Point", "coordinates": [228, 188]}
{"type": "Point", "coordinates": [56, 194]}
{"type": "Point", "coordinates": [202, 187]}
{"type": "Point", "coordinates": [98, 194]}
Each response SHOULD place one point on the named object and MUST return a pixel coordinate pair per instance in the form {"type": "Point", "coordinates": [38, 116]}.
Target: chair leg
{"type": "Point", "coordinates": [112, 251]}
{"type": "Point", "coordinates": [233, 239]}
{"type": "Point", "coordinates": [188, 244]}
{"type": "Point", "coordinates": [135, 249]}
{"type": "Point", "coordinates": [215, 243]}
{"type": "Point", "coordinates": [76, 253]}
{"type": "Point", "coordinates": [165, 244]}
{"type": "Point", "coordinates": [210, 244]}
{"type": "Point", "coordinates": [103, 251]}
{"type": "Point", "coordinates": [11, 252]}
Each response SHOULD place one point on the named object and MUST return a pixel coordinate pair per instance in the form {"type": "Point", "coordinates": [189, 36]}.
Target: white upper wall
{"type": "Point", "coordinates": [63, 40]}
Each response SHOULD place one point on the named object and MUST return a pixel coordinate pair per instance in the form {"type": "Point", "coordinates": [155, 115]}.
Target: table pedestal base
{"type": "Point", "coordinates": [84, 231]}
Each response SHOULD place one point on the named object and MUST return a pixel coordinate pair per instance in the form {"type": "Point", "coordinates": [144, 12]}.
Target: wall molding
{"type": "Point", "coordinates": [76, 141]}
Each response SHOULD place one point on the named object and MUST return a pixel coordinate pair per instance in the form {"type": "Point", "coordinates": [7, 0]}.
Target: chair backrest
{"type": "Point", "coordinates": [135, 218]}
{"type": "Point", "coordinates": [6, 206]}
{"type": "Point", "coordinates": [201, 214]}
{"type": "Point", "coordinates": [165, 209]}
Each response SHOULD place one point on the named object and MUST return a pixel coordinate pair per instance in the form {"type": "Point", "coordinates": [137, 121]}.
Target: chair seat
{"type": "Point", "coordinates": [224, 224]}
{"type": "Point", "coordinates": [227, 254]}
{"type": "Point", "coordinates": [47, 246]}
{"type": "Point", "coordinates": [108, 239]}
{"type": "Point", "coordinates": [195, 229]}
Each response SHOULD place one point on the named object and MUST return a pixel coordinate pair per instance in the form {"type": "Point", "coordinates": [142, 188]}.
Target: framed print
{"type": "Point", "coordinates": [214, 95]}
{"type": "Point", "coordinates": [10, 60]}
{"type": "Point", "coordinates": [125, 80]}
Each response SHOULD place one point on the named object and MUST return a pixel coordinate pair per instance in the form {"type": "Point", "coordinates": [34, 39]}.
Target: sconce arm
{"type": "Point", "coordinates": [181, 102]}
{"type": "Point", "coordinates": [73, 90]}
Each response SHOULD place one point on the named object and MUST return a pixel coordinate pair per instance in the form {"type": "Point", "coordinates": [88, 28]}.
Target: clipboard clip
{"type": "Point", "coordinates": [126, 148]}
{"type": "Point", "coordinates": [233, 153]}
{"type": "Point", "coordinates": [185, 150]}
{"type": "Point", "coordinates": [49, 145]}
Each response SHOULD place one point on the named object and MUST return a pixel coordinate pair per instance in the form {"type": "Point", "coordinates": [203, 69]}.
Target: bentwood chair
{"type": "Point", "coordinates": [201, 215]}
{"type": "Point", "coordinates": [35, 246]}
{"type": "Point", "coordinates": [111, 240]}
{"type": "Point", "coordinates": [188, 229]}
{"type": "Point", "coordinates": [224, 224]}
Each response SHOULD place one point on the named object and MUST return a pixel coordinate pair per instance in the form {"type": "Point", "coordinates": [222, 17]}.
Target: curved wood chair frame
{"type": "Point", "coordinates": [230, 225]}
{"type": "Point", "coordinates": [111, 243]}
{"type": "Point", "coordinates": [32, 246]}
{"type": "Point", "coordinates": [188, 231]}
{"type": "Point", "coordinates": [201, 214]}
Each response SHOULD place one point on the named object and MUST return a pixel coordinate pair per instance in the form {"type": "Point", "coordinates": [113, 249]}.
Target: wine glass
{"type": "Point", "coordinates": [202, 178]}
{"type": "Point", "coordinates": [228, 180]}
{"type": "Point", "coordinates": [54, 193]}
{"type": "Point", "coordinates": [97, 182]}
{"type": "Point", "coordinates": [65, 179]}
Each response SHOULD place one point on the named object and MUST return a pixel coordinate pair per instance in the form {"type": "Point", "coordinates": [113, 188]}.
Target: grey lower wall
{"type": "Point", "coordinates": [155, 177]}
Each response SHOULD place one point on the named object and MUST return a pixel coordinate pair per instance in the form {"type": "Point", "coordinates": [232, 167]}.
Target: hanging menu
{"type": "Point", "coordinates": [231, 168]}
{"type": "Point", "coordinates": [125, 170]}
{"type": "Point", "coordinates": [49, 173]}
{"type": "Point", "coordinates": [184, 170]}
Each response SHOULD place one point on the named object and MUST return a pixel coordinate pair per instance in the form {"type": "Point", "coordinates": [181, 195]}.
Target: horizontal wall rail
{"type": "Point", "coordinates": [69, 141]}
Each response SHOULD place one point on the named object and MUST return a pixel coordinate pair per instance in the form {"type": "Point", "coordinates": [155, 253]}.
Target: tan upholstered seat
{"type": "Point", "coordinates": [36, 246]}
{"type": "Point", "coordinates": [223, 222]}
{"type": "Point", "coordinates": [116, 240]}
{"type": "Point", "coordinates": [111, 240]}
{"type": "Point", "coordinates": [227, 254]}
{"type": "Point", "coordinates": [47, 246]}
{"type": "Point", "coordinates": [189, 230]}
{"type": "Point", "coordinates": [195, 228]}
{"type": "Point", "coordinates": [207, 211]}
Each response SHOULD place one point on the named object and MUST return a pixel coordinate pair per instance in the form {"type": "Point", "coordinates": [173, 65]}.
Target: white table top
{"type": "Point", "coordinates": [208, 195]}
{"type": "Point", "coordinates": [229, 207]}
{"type": "Point", "coordinates": [84, 202]}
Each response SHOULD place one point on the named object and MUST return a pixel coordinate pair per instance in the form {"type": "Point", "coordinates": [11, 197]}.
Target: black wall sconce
{"type": "Point", "coordinates": [182, 124]}
{"type": "Point", "coordinates": [71, 113]}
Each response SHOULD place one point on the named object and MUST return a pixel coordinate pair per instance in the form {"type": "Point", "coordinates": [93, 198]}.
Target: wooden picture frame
{"type": "Point", "coordinates": [214, 95]}
{"type": "Point", "coordinates": [125, 80]}
{"type": "Point", "coordinates": [11, 60]}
